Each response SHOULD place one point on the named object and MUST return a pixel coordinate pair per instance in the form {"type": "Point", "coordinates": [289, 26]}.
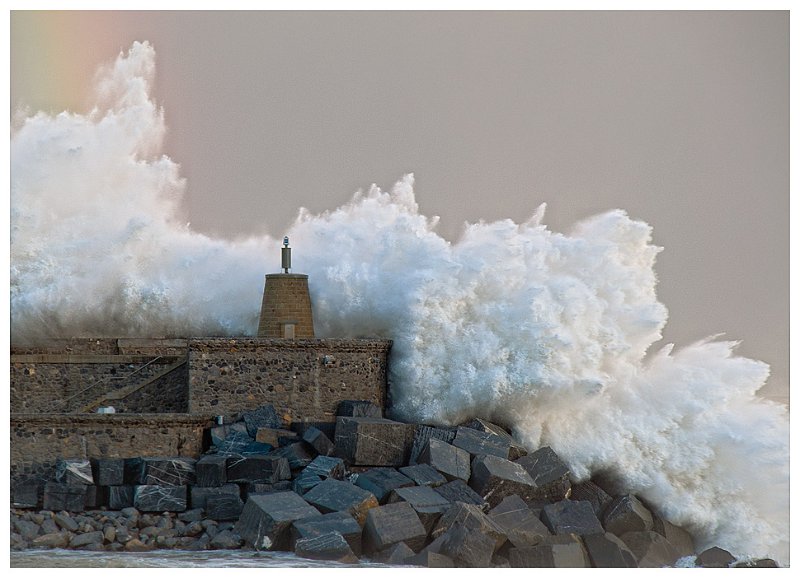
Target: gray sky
{"type": "Point", "coordinates": [680, 118]}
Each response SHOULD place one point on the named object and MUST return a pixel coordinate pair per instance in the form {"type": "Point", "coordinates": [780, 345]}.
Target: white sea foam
{"type": "Point", "coordinates": [545, 332]}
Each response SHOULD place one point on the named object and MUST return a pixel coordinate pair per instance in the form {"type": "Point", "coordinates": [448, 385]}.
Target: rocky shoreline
{"type": "Point", "coordinates": [369, 488]}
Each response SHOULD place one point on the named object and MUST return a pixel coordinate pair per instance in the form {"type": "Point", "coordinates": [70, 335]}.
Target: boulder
{"type": "Point", "coordinates": [494, 478]}
{"type": "Point", "coordinates": [108, 471]}
{"type": "Point", "coordinates": [396, 554]}
{"type": "Point", "coordinates": [120, 497]}
{"type": "Point", "coordinates": [66, 522]}
{"type": "Point", "coordinates": [471, 517]}
{"type": "Point", "coordinates": [608, 551]}
{"type": "Point", "coordinates": [226, 540]}
{"type": "Point", "coordinates": [520, 524]}
{"type": "Point", "coordinates": [680, 539]}
{"type": "Point", "coordinates": [468, 547]}
{"type": "Point", "coordinates": [423, 475]}
{"type": "Point", "coordinates": [319, 441]}
{"type": "Point", "coordinates": [714, 558]}
{"type": "Point", "coordinates": [590, 492]}
{"type": "Point", "coordinates": [627, 514]}
{"type": "Point", "coordinates": [479, 443]}
{"type": "Point", "coordinates": [760, 563]}
{"type": "Point", "coordinates": [381, 481]}
{"type": "Point", "coordinates": [651, 549]}
{"type": "Point", "coordinates": [549, 474]}
{"type": "Point", "coordinates": [265, 520]}
{"type": "Point", "coordinates": [339, 522]}
{"type": "Point", "coordinates": [568, 517]}
{"type": "Point", "coordinates": [549, 555]}
{"type": "Point", "coordinates": [87, 539]}
{"type": "Point", "coordinates": [371, 441]}
{"type": "Point", "coordinates": [337, 496]}
{"type": "Point", "coordinates": [259, 469]}
{"type": "Point", "coordinates": [69, 497]}
{"type": "Point", "coordinates": [326, 467]}
{"type": "Point", "coordinates": [516, 450]}
{"type": "Point", "coordinates": [452, 462]}
{"type": "Point", "coordinates": [331, 546]}
{"type": "Point", "coordinates": [428, 505]}
{"type": "Point", "coordinates": [459, 491]}
{"type": "Point", "coordinates": [74, 472]}
{"type": "Point", "coordinates": [393, 523]}
{"type": "Point", "coordinates": [27, 529]}
{"type": "Point", "coordinates": [422, 433]}
{"type": "Point", "coordinates": [210, 471]}
{"type": "Point", "coordinates": [264, 416]}
{"type": "Point", "coordinates": [351, 408]}
{"type": "Point", "coordinates": [52, 540]}
{"type": "Point", "coordinates": [150, 498]}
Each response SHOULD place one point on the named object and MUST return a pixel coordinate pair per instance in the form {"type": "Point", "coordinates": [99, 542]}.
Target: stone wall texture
{"type": "Point", "coordinates": [286, 300]}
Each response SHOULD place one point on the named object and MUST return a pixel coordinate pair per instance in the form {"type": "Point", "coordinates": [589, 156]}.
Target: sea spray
{"type": "Point", "coordinates": [545, 332]}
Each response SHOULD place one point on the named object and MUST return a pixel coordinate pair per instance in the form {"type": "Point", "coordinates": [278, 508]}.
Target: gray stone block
{"type": "Point", "coordinates": [331, 546]}
{"type": "Point", "coordinates": [108, 471]}
{"type": "Point", "coordinates": [393, 523]}
{"type": "Point", "coordinates": [299, 454]}
{"type": "Point", "coordinates": [521, 525]}
{"type": "Point", "coordinates": [516, 450]}
{"type": "Point", "coordinates": [459, 491]}
{"type": "Point", "coordinates": [337, 496]}
{"type": "Point", "coordinates": [255, 488]}
{"type": "Point", "coordinates": [224, 507]}
{"type": "Point", "coordinates": [568, 517]}
{"type": "Point", "coordinates": [760, 563]}
{"type": "Point", "coordinates": [428, 505]}
{"type": "Point", "coordinates": [96, 497]}
{"type": "Point", "coordinates": [326, 467]}
{"type": "Point", "coordinates": [198, 495]}
{"type": "Point", "coordinates": [221, 433]}
{"type": "Point", "coordinates": [259, 469]}
{"type": "Point", "coordinates": [352, 408]}
{"type": "Point", "coordinates": [608, 551]}
{"type": "Point", "coordinates": [120, 497]}
{"type": "Point", "coordinates": [651, 549]}
{"type": "Point", "coordinates": [69, 497]}
{"type": "Point", "coordinates": [396, 554]}
{"type": "Point", "coordinates": [494, 478]}
{"type": "Point", "coordinates": [569, 555]}
{"type": "Point", "coordinates": [339, 522]}
{"type": "Point", "coordinates": [276, 436]}
{"type": "Point", "coordinates": [479, 443]}
{"type": "Point", "coordinates": [133, 471]}
{"type": "Point", "coordinates": [305, 481]}
{"type": "Point", "coordinates": [714, 558]}
{"type": "Point", "coordinates": [150, 498]}
{"type": "Point", "coordinates": [371, 441]}
{"type": "Point", "coordinates": [423, 475]}
{"type": "Point", "coordinates": [680, 539]}
{"type": "Point", "coordinates": [169, 471]}
{"type": "Point", "coordinates": [450, 461]}
{"type": "Point", "coordinates": [430, 560]}
{"type": "Point", "coordinates": [319, 441]}
{"type": "Point", "coordinates": [422, 433]}
{"type": "Point", "coordinates": [25, 495]}
{"type": "Point", "coordinates": [627, 514]}
{"type": "Point", "coordinates": [468, 547]}
{"type": "Point", "coordinates": [549, 473]}
{"type": "Point", "coordinates": [264, 416]}
{"type": "Point", "coordinates": [381, 481]}
{"type": "Point", "coordinates": [265, 520]}
{"type": "Point", "coordinates": [470, 517]}
{"type": "Point", "coordinates": [210, 471]}
{"type": "Point", "coordinates": [590, 492]}
{"type": "Point", "coordinates": [74, 472]}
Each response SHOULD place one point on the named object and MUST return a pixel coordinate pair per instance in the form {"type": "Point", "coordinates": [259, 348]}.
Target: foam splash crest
{"type": "Point", "coordinates": [545, 332]}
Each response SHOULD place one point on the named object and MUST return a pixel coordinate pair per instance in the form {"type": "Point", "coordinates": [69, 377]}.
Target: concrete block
{"type": "Point", "coordinates": [608, 551]}
{"type": "Point", "coordinates": [680, 539]}
{"type": "Point", "coordinates": [256, 488]}
{"type": "Point", "coordinates": [169, 471]}
{"type": "Point", "coordinates": [468, 547]}
{"type": "Point", "coordinates": [220, 434]}
{"type": "Point", "coordinates": [479, 443]}
{"type": "Point", "coordinates": [569, 555]}
{"type": "Point", "coordinates": [568, 517]}
{"type": "Point", "coordinates": [211, 471]}
{"type": "Point", "coordinates": [265, 520]}
{"type": "Point", "coordinates": [96, 497]}
{"type": "Point", "coordinates": [381, 481]}
{"type": "Point", "coordinates": [627, 514]}
{"type": "Point", "coordinates": [549, 473]}
{"type": "Point", "coordinates": [428, 505]}
{"type": "Point", "coordinates": [299, 454]}
{"type": "Point", "coordinates": [198, 495]}
{"type": "Point", "coordinates": [305, 481]}
{"type": "Point", "coordinates": [422, 433]}
{"type": "Point", "coordinates": [120, 497]}
{"type": "Point", "coordinates": [264, 416]}
{"type": "Point", "coordinates": [326, 467]}
{"type": "Point", "coordinates": [521, 525]}
{"type": "Point", "coordinates": [337, 496]}
{"type": "Point", "coordinates": [430, 560]}
{"type": "Point", "coordinates": [319, 441]}
{"type": "Point", "coordinates": [108, 471]}
{"type": "Point", "coordinates": [396, 554]}
{"type": "Point", "coordinates": [133, 471]}
{"type": "Point", "coordinates": [450, 461]}
{"type": "Point", "coordinates": [393, 523]}
{"type": "Point", "coordinates": [224, 507]}
{"type": "Point", "coordinates": [331, 546]}
{"type": "Point", "coordinates": [494, 478]}
{"type": "Point", "coordinates": [150, 498]}
{"type": "Point", "coordinates": [69, 497]}
{"type": "Point", "coordinates": [74, 472]}
{"type": "Point", "coordinates": [339, 522]}
{"type": "Point", "coordinates": [350, 408]}
{"type": "Point", "coordinates": [515, 451]}
{"type": "Point", "coordinates": [471, 517]}
{"type": "Point", "coordinates": [25, 495]}
{"type": "Point", "coordinates": [651, 549]}
{"type": "Point", "coordinates": [423, 475]}
{"type": "Point", "coordinates": [260, 469]}
{"type": "Point", "coordinates": [590, 492]}
{"type": "Point", "coordinates": [370, 441]}
{"type": "Point", "coordinates": [459, 491]}
{"type": "Point", "coordinates": [714, 558]}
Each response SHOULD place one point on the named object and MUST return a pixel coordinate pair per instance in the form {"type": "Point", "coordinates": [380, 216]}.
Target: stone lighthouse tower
{"type": "Point", "coordinates": [286, 306]}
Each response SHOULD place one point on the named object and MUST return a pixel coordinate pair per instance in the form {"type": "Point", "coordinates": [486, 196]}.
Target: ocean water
{"type": "Point", "coordinates": [547, 333]}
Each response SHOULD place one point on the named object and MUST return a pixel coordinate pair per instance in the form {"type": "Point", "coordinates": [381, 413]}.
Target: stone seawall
{"type": "Point", "coordinates": [38, 441]}
{"type": "Point", "coordinates": [304, 379]}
